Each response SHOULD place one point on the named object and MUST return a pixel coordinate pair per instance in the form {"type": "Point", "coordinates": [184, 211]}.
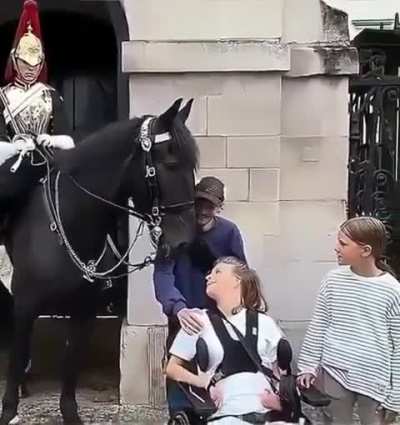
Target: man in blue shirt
{"type": "Point", "coordinates": [180, 285]}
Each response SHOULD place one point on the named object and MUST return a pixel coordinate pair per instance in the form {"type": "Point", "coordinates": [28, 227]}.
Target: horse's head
{"type": "Point", "coordinates": [166, 168]}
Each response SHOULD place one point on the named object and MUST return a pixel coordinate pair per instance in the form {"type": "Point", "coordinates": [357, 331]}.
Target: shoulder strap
{"type": "Point", "coordinates": [255, 358]}
{"type": "Point", "coordinates": [252, 329]}
{"type": "Point", "coordinates": [219, 327]}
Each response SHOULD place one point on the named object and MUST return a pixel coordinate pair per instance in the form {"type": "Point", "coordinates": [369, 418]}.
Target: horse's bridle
{"type": "Point", "coordinates": [153, 220]}
{"type": "Point", "coordinates": [147, 141]}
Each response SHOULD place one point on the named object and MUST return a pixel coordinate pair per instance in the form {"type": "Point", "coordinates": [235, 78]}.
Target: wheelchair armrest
{"type": "Point", "coordinates": [314, 397]}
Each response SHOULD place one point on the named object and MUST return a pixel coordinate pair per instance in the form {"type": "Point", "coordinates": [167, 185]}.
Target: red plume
{"type": "Point", "coordinates": [29, 15]}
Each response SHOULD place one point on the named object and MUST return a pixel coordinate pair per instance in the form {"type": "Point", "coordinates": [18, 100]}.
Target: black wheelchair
{"type": "Point", "coordinates": [202, 407]}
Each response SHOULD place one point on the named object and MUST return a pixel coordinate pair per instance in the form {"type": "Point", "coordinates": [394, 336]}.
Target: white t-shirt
{"type": "Point", "coordinates": [241, 391]}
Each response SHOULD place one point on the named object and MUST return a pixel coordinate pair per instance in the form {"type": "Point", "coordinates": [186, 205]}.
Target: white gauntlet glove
{"type": "Point", "coordinates": [58, 142]}
{"type": "Point", "coordinates": [23, 144]}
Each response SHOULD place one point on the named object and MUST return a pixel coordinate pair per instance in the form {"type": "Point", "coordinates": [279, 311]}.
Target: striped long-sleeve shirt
{"type": "Point", "coordinates": [355, 335]}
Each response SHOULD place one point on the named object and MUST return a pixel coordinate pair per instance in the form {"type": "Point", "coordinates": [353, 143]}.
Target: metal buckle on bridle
{"type": "Point", "coordinates": [156, 233]}
{"type": "Point", "coordinates": [146, 144]}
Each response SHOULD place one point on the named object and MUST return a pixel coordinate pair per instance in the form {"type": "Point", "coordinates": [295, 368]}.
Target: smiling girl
{"type": "Point", "coordinates": [243, 393]}
{"type": "Point", "coordinates": [353, 342]}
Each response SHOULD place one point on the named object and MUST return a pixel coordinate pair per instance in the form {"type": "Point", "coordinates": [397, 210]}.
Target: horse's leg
{"type": "Point", "coordinates": [23, 389]}
{"type": "Point", "coordinates": [78, 335]}
{"type": "Point", "coordinates": [24, 318]}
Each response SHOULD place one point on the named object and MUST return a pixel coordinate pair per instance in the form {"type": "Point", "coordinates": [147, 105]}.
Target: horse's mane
{"type": "Point", "coordinates": [105, 142]}
{"type": "Point", "coordinates": [114, 138]}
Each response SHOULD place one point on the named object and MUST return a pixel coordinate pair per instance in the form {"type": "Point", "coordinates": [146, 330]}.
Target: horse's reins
{"type": "Point", "coordinates": [153, 220]}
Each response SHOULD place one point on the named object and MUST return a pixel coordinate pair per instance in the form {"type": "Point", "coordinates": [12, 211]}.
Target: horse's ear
{"type": "Point", "coordinates": [185, 111]}
{"type": "Point", "coordinates": [169, 115]}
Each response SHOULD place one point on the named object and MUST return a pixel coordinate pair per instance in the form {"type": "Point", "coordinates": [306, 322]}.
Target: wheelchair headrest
{"type": "Point", "coordinates": [284, 355]}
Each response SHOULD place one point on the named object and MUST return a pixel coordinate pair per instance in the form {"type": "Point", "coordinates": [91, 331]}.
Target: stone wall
{"type": "Point", "coordinates": [270, 82]}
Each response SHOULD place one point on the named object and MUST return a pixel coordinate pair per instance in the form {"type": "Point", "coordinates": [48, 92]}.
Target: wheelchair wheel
{"type": "Point", "coordinates": [179, 418]}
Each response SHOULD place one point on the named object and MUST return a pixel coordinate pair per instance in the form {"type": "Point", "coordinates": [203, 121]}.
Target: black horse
{"type": "Point", "coordinates": [150, 160]}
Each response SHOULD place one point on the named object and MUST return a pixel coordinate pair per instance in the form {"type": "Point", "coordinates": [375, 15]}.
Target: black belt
{"type": "Point", "coordinates": [251, 418]}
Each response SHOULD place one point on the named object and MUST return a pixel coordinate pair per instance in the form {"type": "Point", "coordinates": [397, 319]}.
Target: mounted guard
{"type": "Point", "coordinates": [31, 113]}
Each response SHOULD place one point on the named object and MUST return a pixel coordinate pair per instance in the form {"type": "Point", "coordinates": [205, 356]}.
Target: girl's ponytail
{"type": "Point", "coordinates": [384, 266]}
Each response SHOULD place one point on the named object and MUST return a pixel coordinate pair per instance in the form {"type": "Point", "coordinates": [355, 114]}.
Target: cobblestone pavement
{"type": "Point", "coordinates": [97, 406]}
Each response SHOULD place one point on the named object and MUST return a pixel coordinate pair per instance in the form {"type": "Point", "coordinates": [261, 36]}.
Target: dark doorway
{"type": "Point", "coordinates": [82, 42]}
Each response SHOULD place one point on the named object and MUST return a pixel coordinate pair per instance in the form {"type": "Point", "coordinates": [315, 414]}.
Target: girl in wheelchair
{"type": "Point", "coordinates": [236, 354]}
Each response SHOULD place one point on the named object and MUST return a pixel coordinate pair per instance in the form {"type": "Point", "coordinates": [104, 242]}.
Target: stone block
{"type": "Point", "coordinates": [203, 19]}
{"type": "Point", "coordinates": [316, 106]}
{"type": "Point", "coordinates": [308, 232]}
{"type": "Point", "coordinates": [254, 218]}
{"type": "Point", "coordinates": [302, 21]}
{"type": "Point", "coordinates": [254, 152]}
{"type": "Point", "coordinates": [143, 308]}
{"type": "Point", "coordinates": [250, 104]}
{"type": "Point", "coordinates": [134, 365]}
{"type": "Point", "coordinates": [141, 355]}
{"type": "Point", "coordinates": [312, 21]}
{"type": "Point", "coordinates": [308, 61]}
{"type": "Point", "coordinates": [236, 181]}
{"type": "Point", "coordinates": [204, 56]}
{"type": "Point", "coordinates": [155, 94]}
{"type": "Point", "coordinates": [212, 151]}
{"type": "Point", "coordinates": [291, 288]}
{"type": "Point", "coordinates": [264, 185]}
{"type": "Point", "coordinates": [323, 178]}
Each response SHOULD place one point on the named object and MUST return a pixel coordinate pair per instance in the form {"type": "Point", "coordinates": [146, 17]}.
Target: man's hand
{"type": "Point", "coordinates": [190, 320]}
{"type": "Point", "coordinates": [306, 380]}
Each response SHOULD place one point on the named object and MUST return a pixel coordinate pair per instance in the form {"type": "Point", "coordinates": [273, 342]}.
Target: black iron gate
{"type": "Point", "coordinates": [374, 151]}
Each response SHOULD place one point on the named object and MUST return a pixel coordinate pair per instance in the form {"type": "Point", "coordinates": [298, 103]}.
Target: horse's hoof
{"type": "Point", "coordinates": [72, 420]}
{"type": "Point", "coordinates": [13, 421]}
{"type": "Point", "coordinates": [76, 421]}
{"type": "Point", "coordinates": [24, 393]}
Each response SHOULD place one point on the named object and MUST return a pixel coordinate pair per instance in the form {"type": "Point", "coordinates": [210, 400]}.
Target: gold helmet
{"type": "Point", "coordinates": [27, 45]}
{"type": "Point", "coordinates": [29, 49]}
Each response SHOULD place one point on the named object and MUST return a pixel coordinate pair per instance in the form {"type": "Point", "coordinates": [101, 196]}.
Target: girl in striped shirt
{"type": "Point", "coordinates": [352, 346]}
